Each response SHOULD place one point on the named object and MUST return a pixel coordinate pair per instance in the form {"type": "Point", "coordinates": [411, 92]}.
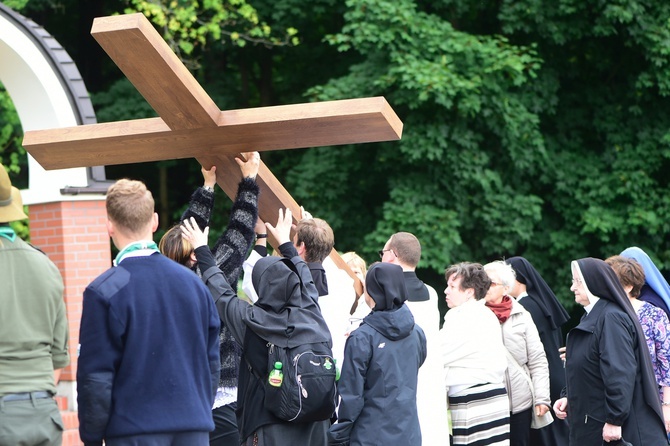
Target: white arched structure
{"type": "Point", "coordinates": [48, 92]}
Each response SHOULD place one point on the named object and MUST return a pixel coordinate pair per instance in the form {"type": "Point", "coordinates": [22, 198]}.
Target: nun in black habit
{"type": "Point", "coordinates": [286, 314]}
{"type": "Point", "coordinates": [539, 300]}
{"type": "Point", "coordinates": [611, 388]}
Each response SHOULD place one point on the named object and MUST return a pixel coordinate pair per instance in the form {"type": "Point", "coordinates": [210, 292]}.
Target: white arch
{"type": "Point", "coordinates": [41, 101]}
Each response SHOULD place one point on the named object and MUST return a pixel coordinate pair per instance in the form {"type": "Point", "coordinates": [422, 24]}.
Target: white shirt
{"type": "Point", "coordinates": [431, 394]}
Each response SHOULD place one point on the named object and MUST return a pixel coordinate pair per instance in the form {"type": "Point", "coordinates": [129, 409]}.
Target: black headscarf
{"type": "Point", "coordinates": [601, 281]}
{"type": "Point", "coordinates": [539, 291]}
{"type": "Point", "coordinates": [286, 313]}
{"type": "Point", "coordinates": [385, 284]}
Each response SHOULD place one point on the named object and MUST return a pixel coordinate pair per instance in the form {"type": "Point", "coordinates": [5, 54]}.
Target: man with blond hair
{"type": "Point", "coordinates": [149, 361]}
{"type": "Point", "coordinates": [33, 333]}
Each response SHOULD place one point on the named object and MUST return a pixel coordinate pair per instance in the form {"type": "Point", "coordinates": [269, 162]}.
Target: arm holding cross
{"type": "Point", "coordinates": [233, 244]}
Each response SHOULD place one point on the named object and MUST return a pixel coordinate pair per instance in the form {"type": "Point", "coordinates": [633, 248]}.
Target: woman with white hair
{"type": "Point", "coordinates": [526, 361]}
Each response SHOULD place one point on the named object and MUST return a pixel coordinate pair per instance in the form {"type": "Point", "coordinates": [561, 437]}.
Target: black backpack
{"type": "Point", "coordinates": [308, 391]}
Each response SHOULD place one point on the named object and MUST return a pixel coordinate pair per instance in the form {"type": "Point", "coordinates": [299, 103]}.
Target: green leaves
{"type": "Point", "coordinates": [466, 119]}
{"type": "Point", "coordinates": [12, 154]}
{"type": "Point", "coordinates": [530, 128]}
{"type": "Point", "coordinates": [188, 25]}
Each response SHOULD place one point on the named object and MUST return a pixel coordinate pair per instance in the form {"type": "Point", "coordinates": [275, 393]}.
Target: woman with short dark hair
{"type": "Point", "coordinates": [474, 360]}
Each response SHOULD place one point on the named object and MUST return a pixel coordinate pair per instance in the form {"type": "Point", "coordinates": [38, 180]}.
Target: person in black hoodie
{"type": "Point", "coordinates": [381, 365]}
{"type": "Point", "coordinates": [286, 314]}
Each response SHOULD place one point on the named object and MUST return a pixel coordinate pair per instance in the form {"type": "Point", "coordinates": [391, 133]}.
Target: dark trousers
{"type": "Point", "coordinates": [225, 431]}
{"type": "Point", "coordinates": [293, 434]}
{"type": "Point", "coordinates": [33, 422]}
{"type": "Point", "coordinates": [170, 439]}
{"type": "Point", "coordinates": [519, 427]}
{"type": "Point", "coordinates": [556, 434]}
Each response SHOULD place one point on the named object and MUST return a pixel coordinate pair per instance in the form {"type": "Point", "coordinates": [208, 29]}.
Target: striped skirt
{"type": "Point", "coordinates": [480, 415]}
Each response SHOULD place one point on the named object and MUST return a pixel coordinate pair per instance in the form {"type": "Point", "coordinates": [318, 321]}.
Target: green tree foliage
{"type": "Point", "coordinates": [469, 120]}
{"type": "Point", "coordinates": [532, 128]}
{"type": "Point", "coordinates": [188, 24]}
{"type": "Point", "coordinates": [12, 155]}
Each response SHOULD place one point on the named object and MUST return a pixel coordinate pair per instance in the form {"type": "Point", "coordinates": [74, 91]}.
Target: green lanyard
{"type": "Point", "coordinates": [8, 233]}
{"type": "Point", "coordinates": [136, 246]}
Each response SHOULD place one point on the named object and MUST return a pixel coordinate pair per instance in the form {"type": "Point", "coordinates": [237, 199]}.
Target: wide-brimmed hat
{"type": "Point", "coordinates": [11, 204]}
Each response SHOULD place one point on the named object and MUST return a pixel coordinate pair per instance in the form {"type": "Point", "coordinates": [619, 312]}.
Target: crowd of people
{"type": "Point", "coordinates": [171, 353]}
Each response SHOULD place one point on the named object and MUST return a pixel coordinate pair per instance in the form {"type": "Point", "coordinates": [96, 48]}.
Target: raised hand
{"type": "Point", "coordinates": [192, 233]}
{"type": "Point", "coordinates": [249, 167]}
{"type": "Point", "coordinates": [282, 231]}
{"type": "Point", "coordinates": [209, 177]}
{"type": "Point", "coordinates": [305, 215]}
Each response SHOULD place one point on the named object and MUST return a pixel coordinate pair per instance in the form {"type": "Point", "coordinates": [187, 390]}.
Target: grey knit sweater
{"type": "Point", "coordinates": [229, 251]}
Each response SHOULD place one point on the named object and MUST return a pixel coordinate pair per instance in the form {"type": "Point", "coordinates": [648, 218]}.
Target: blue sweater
{"type": "Point", "coordinates": [149, 360]}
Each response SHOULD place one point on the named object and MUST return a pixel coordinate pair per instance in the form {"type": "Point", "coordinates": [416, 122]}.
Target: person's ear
{"type": "Point", "coordinates": [110, 227]}
{"type": "Point", "coordinates": [628, 289]}
{"type": "Point", "coordinates": [154, 222]}
{"type": "Point", "coordinates": [301, 249]}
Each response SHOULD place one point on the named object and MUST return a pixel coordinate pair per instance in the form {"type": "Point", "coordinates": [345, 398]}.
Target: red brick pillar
{"type": "Point", "coordinates": [74, 236]}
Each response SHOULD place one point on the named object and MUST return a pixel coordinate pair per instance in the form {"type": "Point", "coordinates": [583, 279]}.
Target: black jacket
{"type": "Point", "coordinates": [378, 382]}
{"type": "Point", "coordinates": [604, 380]}
{"type": "Point", "coordinates": [552, 339]}
{"type": "Point", "coordinates": [241, 318]}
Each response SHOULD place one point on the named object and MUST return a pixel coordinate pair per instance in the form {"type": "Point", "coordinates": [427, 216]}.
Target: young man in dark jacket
{"type": "Point", "coordinates": [149, 361]}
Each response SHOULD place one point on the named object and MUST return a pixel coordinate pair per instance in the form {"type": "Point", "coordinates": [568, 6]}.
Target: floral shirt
{"type": "Point", "coordinates": [655, 325]}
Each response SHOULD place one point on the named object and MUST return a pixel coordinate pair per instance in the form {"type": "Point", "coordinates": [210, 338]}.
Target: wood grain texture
{"type": "Point", "coordinates": [191, 125]}
{"type": "Point", "coordinates": [154, 69]}
{"type": "Point", "coordinates": [331, 123]}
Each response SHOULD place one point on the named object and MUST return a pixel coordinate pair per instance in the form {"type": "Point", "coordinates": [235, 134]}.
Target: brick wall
{"type": "Point", "coordinates": [74, 236]}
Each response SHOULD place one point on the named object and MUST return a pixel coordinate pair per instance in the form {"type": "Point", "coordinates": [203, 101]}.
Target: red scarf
{"type": "Point", "coordinates": [502, 310]}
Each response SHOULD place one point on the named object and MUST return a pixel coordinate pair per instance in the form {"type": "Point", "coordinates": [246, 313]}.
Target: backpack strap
{"type": "Point", "coordinates": [245, 348]}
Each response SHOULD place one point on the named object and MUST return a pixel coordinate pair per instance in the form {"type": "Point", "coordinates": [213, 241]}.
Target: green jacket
{"type": "Point", "coordinates": [33, 321]}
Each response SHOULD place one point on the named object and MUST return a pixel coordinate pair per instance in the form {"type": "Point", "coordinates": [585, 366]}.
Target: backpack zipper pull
{"type": "Point", "coordinates": [302, 389]}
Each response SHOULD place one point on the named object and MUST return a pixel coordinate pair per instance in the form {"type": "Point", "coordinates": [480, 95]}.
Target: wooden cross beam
{"type": "Point", "coordinates": [191, 125]}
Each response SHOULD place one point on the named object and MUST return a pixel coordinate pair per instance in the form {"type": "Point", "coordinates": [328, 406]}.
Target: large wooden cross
{"type": "Point", "coordinates": [191, 125]}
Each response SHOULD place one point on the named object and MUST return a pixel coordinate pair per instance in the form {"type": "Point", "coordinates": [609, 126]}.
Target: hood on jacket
{"type": "Point", "coordinates": [395, 324]}
{"type": "Point", "coordinates": [385, 284]}
{"type": "Point", "coordinates": [286, 312]}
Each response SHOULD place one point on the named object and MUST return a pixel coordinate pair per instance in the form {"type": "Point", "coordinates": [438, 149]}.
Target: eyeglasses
{"type": "Point", "coordinates": [577, 281]}
{"type": "Point", "coordinates": [381, 252]}
{"type": "Point", "coordinates": [495, 284]}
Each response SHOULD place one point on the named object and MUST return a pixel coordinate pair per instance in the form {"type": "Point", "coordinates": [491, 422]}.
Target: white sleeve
{"type": "Point", "coordinates": [247, 267]}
